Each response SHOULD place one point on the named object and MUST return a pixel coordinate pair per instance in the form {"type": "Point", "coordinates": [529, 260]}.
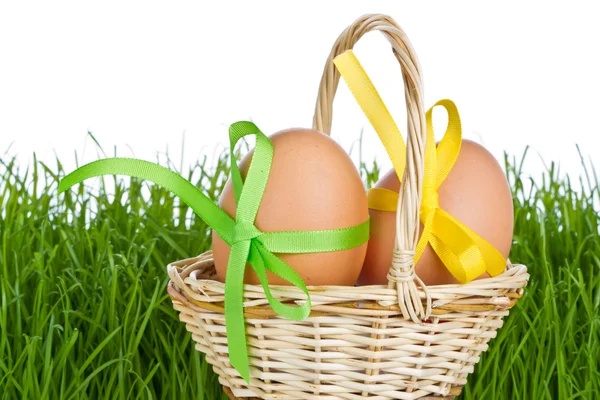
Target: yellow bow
{"type": "Point", "coordinates": [463, 252]}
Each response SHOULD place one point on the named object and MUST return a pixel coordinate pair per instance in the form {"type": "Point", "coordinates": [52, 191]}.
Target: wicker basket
{"type": "Point", "coordinates": [358, 342]}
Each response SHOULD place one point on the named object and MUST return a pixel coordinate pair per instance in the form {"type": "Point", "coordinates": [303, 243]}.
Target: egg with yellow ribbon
{"type": "Point", "coordinates": [466, 209]}
{"type": "Point", "coordinates": [475, 192]}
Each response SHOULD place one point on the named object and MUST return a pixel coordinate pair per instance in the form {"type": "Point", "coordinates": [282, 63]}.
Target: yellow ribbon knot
{"type": "Point", "coordinates": [431, 201]}
{"type": "Point", "coordinates": [463, 252]}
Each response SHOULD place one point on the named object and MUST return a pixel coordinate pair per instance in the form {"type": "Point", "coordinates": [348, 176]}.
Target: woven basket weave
{"type": "Point", "coordinates": [400, 341]}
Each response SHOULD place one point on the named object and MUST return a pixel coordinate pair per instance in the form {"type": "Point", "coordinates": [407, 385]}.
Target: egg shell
{"type": "Point", "coordinates": [313, 185]}
{"type": "Point", "coordinates": [475, 192]}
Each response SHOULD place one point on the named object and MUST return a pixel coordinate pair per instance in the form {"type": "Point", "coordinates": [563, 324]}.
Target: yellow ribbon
{"type": "Point", "coordinates": [463, 252]}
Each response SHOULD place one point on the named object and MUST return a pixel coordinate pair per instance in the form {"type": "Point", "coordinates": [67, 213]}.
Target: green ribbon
{"type": "Point", "coordinates": [248, 243]}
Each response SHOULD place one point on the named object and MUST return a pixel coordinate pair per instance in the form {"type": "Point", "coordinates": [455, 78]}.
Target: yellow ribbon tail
{"type": "Point", "coordinates": [456, 248]}
{"type": "Point", "coordinates": [466, 255]}
{"type": "Point", "coordinates": [494, 261]}
{"type": "Point", "coordinates": [374, 108]}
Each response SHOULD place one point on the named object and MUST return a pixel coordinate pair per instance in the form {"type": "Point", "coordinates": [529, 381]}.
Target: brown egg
{"type": "Point", "coordinates": [313, 185]}
{"type": "Point", "coordinates": [475, 192]}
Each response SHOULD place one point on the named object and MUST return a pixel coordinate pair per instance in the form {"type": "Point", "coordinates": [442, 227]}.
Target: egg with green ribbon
{"type": "Point", "coordinates": [312, 185]}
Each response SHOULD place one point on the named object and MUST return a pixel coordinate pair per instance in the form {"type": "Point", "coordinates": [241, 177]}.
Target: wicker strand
{"type": "Point", "coordinates": [403, 278]}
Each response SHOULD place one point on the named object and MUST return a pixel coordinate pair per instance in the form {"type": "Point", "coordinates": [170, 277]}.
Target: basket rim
{"type": "Point", "coordinates": [520, 269]}
{"type": "Point", "coordinates": [188, 284]}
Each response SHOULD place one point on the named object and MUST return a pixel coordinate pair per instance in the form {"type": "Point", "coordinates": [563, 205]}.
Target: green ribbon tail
{"type": "Point", "coordinates": [210, 213]}
{"type": "Point", "coordinates": [262, 260]}
{"type": "Point", "coordinates": [234, 309]}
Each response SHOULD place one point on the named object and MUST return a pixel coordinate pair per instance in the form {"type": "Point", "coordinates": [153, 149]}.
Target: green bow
{"type": "Point", "coordinates": [248, 243]}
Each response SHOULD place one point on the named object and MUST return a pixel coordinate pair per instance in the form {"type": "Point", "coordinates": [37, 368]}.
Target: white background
{"type": "Point", "coordinates": [141, 75]}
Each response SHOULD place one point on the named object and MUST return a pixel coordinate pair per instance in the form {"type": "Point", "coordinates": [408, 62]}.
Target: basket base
{"type": "Point", "coordinates": [465, 320]}
{"type": "Point", "coordinates": [232, 397]}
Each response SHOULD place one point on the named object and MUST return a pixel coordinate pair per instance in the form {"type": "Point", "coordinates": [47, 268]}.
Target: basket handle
{"type": "Point", "coordinates": [402, 274]}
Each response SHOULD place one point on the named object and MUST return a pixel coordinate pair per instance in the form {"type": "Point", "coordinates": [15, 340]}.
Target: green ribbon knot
{"type": "Point", "coordinates": [243, 231]}
{"type": "Point", "coordinates": [248, 243]}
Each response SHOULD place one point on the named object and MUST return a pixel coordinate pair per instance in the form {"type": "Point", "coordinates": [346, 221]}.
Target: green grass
{"type": "Point", "coordinates": [84, 313]}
